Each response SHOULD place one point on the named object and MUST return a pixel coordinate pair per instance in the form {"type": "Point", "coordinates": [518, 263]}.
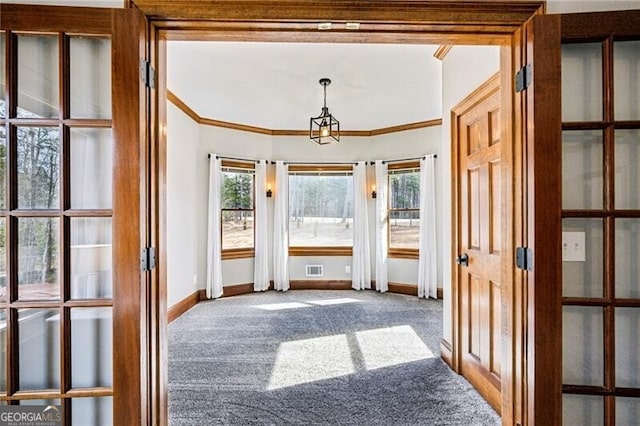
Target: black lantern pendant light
{"type": "Point", "coordinates": [324, 129]}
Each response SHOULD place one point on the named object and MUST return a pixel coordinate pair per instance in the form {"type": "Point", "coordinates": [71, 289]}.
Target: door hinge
{"type": "Point", "coordinates": [524, 258]}
{"type": "Point", "coordinates": [148, 258]}
{"type": "Point", "coordinates": [524, 78]}
{"type": "Point", "coordinates": [147, 74]}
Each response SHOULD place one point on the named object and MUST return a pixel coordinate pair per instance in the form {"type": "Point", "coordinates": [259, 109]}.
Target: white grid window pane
{"type": "Point", "coordinates": [582, 345]}
{"type": "Point", "coordinates": [626, 81]}
{"type": "Point", "coordinates": [583, 410]}
{"type": "Point", "coordinates": [90, 77]}
{"type": "Point", "coordinates": [38, 76]}
{"type": "Point", "coordinates": [627, 338]}
{"type": "Point", "coordinates": [584, 277]}
{"type": "Point", "coordinates": [582, 169]}
{"type": "Point", "coordinates": [582, 82]}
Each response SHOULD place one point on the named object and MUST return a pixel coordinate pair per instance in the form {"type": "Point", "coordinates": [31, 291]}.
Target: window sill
{"type": "Point", "coordinates": [243, 253]}
{"type": "Point", "coordinates": [404, 253]}
{"type": "Point", "coordinates": [320, 251]}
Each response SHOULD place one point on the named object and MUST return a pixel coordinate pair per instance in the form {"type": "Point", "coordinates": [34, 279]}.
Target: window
{"type": "Point", "coordinates": [404, 210]}
{"type": "Point", "coordinates": [320, 210]}
{"type": "Point", "coordinates": [57, 157]}
{"type": "Point", "coordinates": [237, 210]}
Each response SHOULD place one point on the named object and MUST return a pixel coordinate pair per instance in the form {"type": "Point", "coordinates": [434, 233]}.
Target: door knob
{"type": "Point", "coordinates": [463, 259]}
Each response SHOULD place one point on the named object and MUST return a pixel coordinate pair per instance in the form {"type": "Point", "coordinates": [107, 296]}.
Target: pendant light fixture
{"type": "Point", "coordinates": [324, 129]}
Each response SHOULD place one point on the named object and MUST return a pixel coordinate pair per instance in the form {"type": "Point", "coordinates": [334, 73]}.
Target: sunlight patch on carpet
{"type": "Point", "coordinates": [321, 358]}
{"type": "Point", "coordinates": [310, 360]}
{"type": "Point", "coordinates": [389, 346]}
{"type": "Point", "coordinates": [326, 302]}
{"type": "Point", "coordinates": [281, 306]}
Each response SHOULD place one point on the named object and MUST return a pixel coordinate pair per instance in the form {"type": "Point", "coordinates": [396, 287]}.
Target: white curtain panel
{"type": "Point", "coordinates": [382, 226]}
{"type": "Point", "coordinates": [361, 267]}
{"type": "Point", "coordinates": [281, 228]}
{"type": "Point", "coordinates": [261, 259]}
{"type": "Point", "coordinates": [427, 261]}
{"type": "Point", "coordinates": [214, 238]}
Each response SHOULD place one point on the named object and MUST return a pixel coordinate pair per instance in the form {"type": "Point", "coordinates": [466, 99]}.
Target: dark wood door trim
{"type": "Point", "coordinates": [542, 221]}
{"type": "Point", "coordinates": [131, 318]}
{"type": "Point", "coordinates": [410, 22]}
{"type": "Point", "coordinates": [484, 16]}
{"type": "Point", "coordinates": [223, 21]}
{"type": "Point", "coordinates": [513, 381]}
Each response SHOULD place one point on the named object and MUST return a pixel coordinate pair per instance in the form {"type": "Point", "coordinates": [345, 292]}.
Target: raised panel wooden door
{"type": "Point", "coordinates": [478, 138]}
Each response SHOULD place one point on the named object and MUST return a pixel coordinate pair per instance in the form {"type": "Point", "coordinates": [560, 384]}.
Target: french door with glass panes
{"type": "Point", "coordinates": [584, 212]}
{"type": "Point", "coordinates": [69, 294]}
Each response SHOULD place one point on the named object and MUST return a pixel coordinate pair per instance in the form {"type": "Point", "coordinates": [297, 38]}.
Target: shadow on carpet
{"type": "Point", "coordinates": [316, 357]}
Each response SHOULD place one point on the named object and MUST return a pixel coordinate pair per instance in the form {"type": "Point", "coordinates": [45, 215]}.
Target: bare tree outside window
{"type": "Point", "coordinates": [404, 209]}
{"type": "Point", "coordinates": [3, 166]}
{"type": "Point", "coordinates": [38, 152]}
{"type": "Point", "coordinates": [237, 209]}
{"type": "Point", "coordinates": [321, 210]}
{"type": "Point", "coordinates": [3, 261]}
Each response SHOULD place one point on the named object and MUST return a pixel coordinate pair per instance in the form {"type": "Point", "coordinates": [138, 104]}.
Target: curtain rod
{"type": "Point", "coordinates": [240, 159]}
{"type": "Point", "coordinates": [408, 159]}
{"type": "Point", "coordinates": [320, 163]}
{"type": "Point", "coordinates": [323, 162]}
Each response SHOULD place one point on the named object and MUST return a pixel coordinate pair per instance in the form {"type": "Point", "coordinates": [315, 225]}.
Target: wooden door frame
{"type": "Point", "coordinates": [133, 107]}
{"type": "Point", "coordinates": [497, 23]}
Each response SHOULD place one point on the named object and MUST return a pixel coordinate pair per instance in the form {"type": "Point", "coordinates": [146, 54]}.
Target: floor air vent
{"type": "Point", "coordinates": [314, 270]}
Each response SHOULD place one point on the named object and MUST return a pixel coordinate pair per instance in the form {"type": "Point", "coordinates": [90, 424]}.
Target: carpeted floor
{"type": "Point", "coordinates": [316, 357]}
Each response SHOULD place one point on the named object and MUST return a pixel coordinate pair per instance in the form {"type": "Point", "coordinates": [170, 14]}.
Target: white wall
{"type": "Point", "coordinates": [233, 143]}
{"type": "Point", "coordinates": [184, 202]}
{"type": "Point", "coordinates": [401, 145]}
{"type": "Point", "coordinates": [574, 6]}
{"type": "Point", "coordinates": [187, 179]}
{"type": "Point", "coordinates": [463, 70]}
{"type": "Point", "coordinates": [398, 145]}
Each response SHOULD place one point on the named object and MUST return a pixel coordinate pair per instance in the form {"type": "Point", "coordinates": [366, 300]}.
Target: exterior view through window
{"type": "Point", "coordinates": [56, 227]}
{"type": "Point", "coordinates": [321, 209]}
{"type": "Point", "coordinates": [237, 208]}
{"type": "Point", "coordinates": [404, 210]}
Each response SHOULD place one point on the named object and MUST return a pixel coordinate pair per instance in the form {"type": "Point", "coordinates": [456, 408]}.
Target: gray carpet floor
{"type": "Point", "coordinates": [316, 357]}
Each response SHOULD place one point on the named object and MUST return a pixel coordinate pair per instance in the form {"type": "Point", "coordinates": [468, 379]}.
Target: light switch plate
{"type": "Point", "coordinates": [573, 247]}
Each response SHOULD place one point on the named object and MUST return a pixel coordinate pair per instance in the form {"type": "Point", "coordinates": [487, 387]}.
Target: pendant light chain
{"type": "Point", "coordinates": [324, 110]}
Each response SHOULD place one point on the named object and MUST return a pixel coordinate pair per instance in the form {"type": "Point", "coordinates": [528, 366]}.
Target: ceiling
{"type": "Point", "coordinates": [275, 85]}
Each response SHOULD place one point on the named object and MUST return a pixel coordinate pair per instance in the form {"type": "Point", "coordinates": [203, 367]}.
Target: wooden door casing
{"type": "Point", "coordinates": [478, 136]}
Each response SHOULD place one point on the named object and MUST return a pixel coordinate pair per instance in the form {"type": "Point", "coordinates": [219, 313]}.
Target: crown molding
{"type": "Point", "coordinates": [171, 97]}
